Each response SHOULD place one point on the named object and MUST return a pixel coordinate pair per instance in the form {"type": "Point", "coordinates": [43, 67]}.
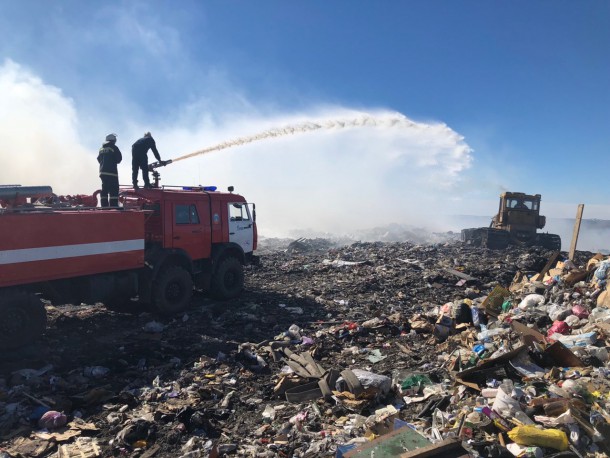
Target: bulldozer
{"type": "Point", "coordinates": [516, 223]}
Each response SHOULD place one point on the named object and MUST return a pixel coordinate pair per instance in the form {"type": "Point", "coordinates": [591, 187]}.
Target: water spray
{"type": "Point", "coordinates": [394, 120]}
{"type": "Point", "coordinates": [365, 120]}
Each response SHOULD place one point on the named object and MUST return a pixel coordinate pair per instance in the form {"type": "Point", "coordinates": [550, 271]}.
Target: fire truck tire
{"type": "Point", "coordinates": [172, 290]}
{"type": "Point", "coordinates": [24, 319]}
{"type": "Point", "coordinates": [228, 279]}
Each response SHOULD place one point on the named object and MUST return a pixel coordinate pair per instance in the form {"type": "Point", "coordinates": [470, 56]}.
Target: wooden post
{"type": "Point", "coordinates": [581, 207]}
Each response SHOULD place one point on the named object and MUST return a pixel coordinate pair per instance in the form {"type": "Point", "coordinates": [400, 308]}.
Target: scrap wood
{"type": "Point", "coordinates": [36, 400]}
{"type": "Point", "coordinates": [519, 280]}
{"type": "Point", "coordinates": [404, 349]}
{"type": "Point", "coordinates": [575, 276]}
{"type": "Point", "coordinates": [550, 263]}
{"type": "Point", "coordinates": [62, 435]}
{"type": "Point", "coordinates": [84, 447]}
{"type": "Point", "coordinates": [528, 335]}
{"type": "Point", "coordinates": [151, 451]}
{"type": "Point", "coordinates": [24, 446]}
{"type": "Point", "coordinates": [501, 439]}
{"type": "Point", "coordinates": [79, 423]}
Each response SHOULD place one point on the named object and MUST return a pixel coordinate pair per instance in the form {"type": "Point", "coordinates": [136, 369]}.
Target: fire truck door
{"type": "Point", "coordinates": [188, 230]}
{"type": "Point", "coordinates": [241, 228]}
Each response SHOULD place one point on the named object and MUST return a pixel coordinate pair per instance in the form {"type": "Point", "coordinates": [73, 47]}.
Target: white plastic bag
{"type": "Point", "coordinates": [531, 300]}
{"type": "Point", "coordinates": [558, 313]}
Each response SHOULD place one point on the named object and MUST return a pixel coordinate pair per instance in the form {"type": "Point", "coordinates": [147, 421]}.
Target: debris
{"type": "Point", "coordinates": [333, 351]}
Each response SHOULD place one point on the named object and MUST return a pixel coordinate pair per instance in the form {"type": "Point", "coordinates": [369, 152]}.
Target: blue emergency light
{"type": "Point", "coordinates": [199, 188]}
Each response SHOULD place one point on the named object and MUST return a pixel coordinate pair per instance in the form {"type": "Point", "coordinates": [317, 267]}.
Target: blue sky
{"type": "Point", "coordinates": [526, 84]}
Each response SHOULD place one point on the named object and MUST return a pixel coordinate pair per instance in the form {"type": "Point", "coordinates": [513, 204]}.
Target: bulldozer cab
{"type": "Point", "coordinates": [519, 201]}
{"type": "Point", "coordinates": [519, 214]}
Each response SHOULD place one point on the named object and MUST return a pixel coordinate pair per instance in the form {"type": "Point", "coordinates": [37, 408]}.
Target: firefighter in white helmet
{"type": "Point", "coordinates": [108, 157]}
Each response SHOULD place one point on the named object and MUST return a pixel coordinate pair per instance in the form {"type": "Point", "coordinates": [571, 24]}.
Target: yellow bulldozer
{"type": "Point", "coordinates": [516, 223]}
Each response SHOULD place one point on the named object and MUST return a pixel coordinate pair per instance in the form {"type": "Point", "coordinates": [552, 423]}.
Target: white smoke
{"type": "Point", "coordinates": [331, 169]}
{"type": "Point", "coordinates": [39, 143]}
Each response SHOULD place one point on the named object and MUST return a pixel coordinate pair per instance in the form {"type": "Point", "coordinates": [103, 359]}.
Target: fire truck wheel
{"type": "Point", "coordinates": [24, 319]}
{"type": "Point", "coordinates": [173, 290]}
{"type": "Point", "coordinates": [228, 280]}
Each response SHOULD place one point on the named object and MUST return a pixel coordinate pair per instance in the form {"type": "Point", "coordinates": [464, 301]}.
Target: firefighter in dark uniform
{"type": "Point", "coordinates": [139, 159]}
{"type": "Point", "coordinates": [109, 156]}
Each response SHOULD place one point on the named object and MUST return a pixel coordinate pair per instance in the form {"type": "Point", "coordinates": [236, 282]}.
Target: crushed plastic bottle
{"type": "Point", "coordinates": [488, 334]}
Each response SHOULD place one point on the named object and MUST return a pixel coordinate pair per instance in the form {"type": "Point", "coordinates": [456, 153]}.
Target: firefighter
{"type": "Point", "coordinates": [109, 156]}
{"type": "Point", "coordinates": [139, 159]}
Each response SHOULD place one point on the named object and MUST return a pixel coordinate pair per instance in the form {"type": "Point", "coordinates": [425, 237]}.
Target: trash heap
{"type": "Point", "coordinates": [372, 349]}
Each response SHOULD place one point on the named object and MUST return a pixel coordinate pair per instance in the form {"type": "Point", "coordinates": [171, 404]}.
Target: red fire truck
{"type": "Point", "coordinates": [154, 249]}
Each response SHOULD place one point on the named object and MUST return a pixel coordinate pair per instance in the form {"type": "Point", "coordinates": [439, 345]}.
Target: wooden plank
{"type": "Point", "coordinates": [550, 263]}
{"type": "Point", "coordinates": [581, 208]}
{"type": "Point", "coordinates": [528, 335]}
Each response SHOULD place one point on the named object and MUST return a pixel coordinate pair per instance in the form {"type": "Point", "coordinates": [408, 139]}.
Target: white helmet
{"type": "Point", "coordinates": [111, 138]}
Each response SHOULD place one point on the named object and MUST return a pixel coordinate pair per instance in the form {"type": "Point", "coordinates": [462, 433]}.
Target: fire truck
{"type": "Point", "coordinates": [158, 246]}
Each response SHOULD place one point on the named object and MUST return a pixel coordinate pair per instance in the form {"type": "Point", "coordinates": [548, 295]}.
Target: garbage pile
{"type": "Point", "coordinates": [372, 349]}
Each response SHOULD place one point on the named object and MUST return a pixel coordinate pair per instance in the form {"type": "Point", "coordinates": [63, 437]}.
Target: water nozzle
{"type": "Point", "coordinates": [156, 165]}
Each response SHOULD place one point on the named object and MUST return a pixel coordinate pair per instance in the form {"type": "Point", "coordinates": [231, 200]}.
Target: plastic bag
{"type": "Point", "coordinates": [602, 271]}
{"type": "Point", "coordinates": [367, 379]}
{"type": "Point", "coordinates": [580, 311]}
{"type": "Point", "coordinates": [558, 313]}
{"type": "Point", "coordinates": [531, 300]}
{"type": "Point", "coordinates": [413, 384]}
{"type": "Point", "coordinates": [52, 420]}
{"type": "Point", "coordinates": [559, 327]}
{"type": "Point", "coordinates": [600, 315]}
{"type": "Point", "coordinates": [572, 321]}
{"type": "Point", "coordinates": [531, 435]}
{"type": "Point", "coordinates": [504, 404]}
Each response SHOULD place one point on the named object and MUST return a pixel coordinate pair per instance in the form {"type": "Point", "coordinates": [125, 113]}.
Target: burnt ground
{"type": "Point", "coordinates": [179, 380]}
